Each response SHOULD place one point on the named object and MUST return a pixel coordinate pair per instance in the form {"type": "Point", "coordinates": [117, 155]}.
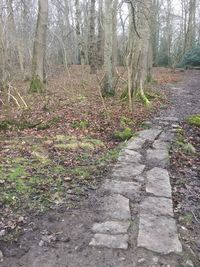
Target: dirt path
{"type": "Point", "coordinates": [129, 220]}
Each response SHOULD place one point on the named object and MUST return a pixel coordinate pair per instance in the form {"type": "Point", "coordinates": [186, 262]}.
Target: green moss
{"type": "Point", "coordinates": [124, 122]}
{"type": "Point", "coordinates": [194, 120]}
{"type": "Point", "coordinates": [186, 147]}
{"type": "Point", "coordinates": [36, 85]}
{"type": "Point", "coordinates": [123, 135]}
{"type": "Point", "coordinates": [73, 143]}
{"type": "Point", "coordinates": [144, 99]}
{"type": "Point", "coordinates": [5, 125]}
{"type": "Point", "coordinates": [83, 124]}
{"type": "Point", "coordinates": [187, 218]}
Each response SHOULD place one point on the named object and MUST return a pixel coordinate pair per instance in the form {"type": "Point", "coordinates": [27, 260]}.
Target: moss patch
{"type": "Point", "coordinates": [194, 120]}
{"type": "Point", "coordinates": [123, 135]}
{"type": "Point", "coordinates": [36, 86]}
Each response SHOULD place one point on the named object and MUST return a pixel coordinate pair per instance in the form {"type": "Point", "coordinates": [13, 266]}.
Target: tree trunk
{"type": "Point", "coordinates": [92, 39]}
{"type": "Point", "coordinates": [100, 41]}
{"type": "Point", "coordinates": [16, 37]}
{"type": "Point", "coordinates": [78, 33]}
{"type": "Point", "coordinates": [108, 49]}
{"type": "Point", "coordinates": [39, 50]}
{"type": "Point", "coordinates": [190, 34]}
{"type": "Point", "coordinates": [115, 9]}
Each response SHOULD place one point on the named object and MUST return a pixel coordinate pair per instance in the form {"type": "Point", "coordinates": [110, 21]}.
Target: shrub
{"type": "Point", "coordinates": [192, 58]}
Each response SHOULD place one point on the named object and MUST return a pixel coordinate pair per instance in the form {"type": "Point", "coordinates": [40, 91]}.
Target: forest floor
{"type": "Point", "coordinates": [56, 154]}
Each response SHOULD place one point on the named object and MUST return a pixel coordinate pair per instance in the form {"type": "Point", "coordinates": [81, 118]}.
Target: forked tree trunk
{"type": "Point", "coordinates": [39, 50]}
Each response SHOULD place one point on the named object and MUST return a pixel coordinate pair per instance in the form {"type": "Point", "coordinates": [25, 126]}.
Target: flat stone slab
{"type": "Point", "coordinates": [158, 234]}
{"type": "Point", "coordinates": [127, 172]}
{"type": "Point", "coordinates": [158, 157]}
{"type": "Point", "coordinates": [135, 143]}
{"type": "Point", "coordinates": [157, 206]}
{"type": "Point", "coordinates": [129, 156]}
{"type": "Point", "coordinates": [166, 136]}
{"type": "Point", "coordinates": [160, 145]}
{"type": "Point", "coordinates": [116, 207]}
{"type": "Point", "coordinates": [158, 182]}
{"type": "Point", "coordinates": [170, 119]}
{"type": "Point", "coordinates": [110, 241]}
{"type": "Point", "coordinates": [150, 135]}
{"type": "Point", "coordinates": [111, 227]}
{"type": "Point", "coordinates": [121, 187]}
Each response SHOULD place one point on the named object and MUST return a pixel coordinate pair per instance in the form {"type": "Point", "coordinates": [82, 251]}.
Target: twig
{"type": "Point", "coordinates": [195, 217]}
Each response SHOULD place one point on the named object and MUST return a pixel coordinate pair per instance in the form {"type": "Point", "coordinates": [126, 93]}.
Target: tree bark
{"type": "Point", "coordinates": [108, 49]}
{"type": "Point", "coordinates": [92, 39]}
{"type": "Point", "coordinates": [39, 50]}
{"type": "Point", "coordinates": [100, 41]}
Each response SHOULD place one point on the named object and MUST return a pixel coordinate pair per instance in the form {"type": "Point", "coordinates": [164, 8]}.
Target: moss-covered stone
{"type": "Point", "coordinates": [123, 135]}
{"type": "Point", "coordinates": [194, 120]}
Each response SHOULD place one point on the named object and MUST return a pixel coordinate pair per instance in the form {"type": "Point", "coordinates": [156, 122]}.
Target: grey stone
{"type": "Point", "coordinates": [166, 136]}
{"type": "Point", "coordinates": [135, 143]}
{"type": "Point", "coordinates": [149, 135]}
{"type": "Point", "coordinates": [111, 227]}
{"type": "Point", "coordinates": [158, 234]}
{"type": "Point", "coordinates": [1, 256]}
{"type": "Point", "coordinates": [117, 207]}
{"type": "Point", "coordinates": [158, 182]}
{"type": "Point", "coordinates": [189, 263]}
{"type": "Point", "coordinates": [158, 157]}
{"type": "Point", "coordinates": [2, 232]}
{"type": "Point", "coordinates": [129, 156]}
{"type": "Point", "coordinates": [157, 206]}
{"type": "Point", "coordinates": [110, 241]}
{"type": "Point", "coordinates": [170, 119]}
{"type": "Point", "coordinates": [127, 172]}
{"type": "Point", "coordinates": [161, 145]}
{"type": "Point", "coordinates": [121, 187]}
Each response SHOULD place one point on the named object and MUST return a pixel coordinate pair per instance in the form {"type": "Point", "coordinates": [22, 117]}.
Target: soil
{"type": "Point", "coordinates": [61, 237]}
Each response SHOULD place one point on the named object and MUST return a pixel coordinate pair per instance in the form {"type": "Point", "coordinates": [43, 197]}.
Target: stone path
{"type": "Point", "coordinates": [139, 191]}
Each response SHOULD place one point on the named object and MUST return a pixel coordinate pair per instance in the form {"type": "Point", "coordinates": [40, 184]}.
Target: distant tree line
{"type": "Point", "coordinates": [137, 34]}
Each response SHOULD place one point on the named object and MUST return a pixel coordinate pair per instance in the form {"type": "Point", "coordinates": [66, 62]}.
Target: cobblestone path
{"type": "Point", "coordinates": [138, 193]}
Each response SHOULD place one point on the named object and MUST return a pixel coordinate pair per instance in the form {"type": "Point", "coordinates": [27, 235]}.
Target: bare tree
{"type": "Point", "coordinates": [39, 50]}
{"type": "Point", "coordinates": [92, 39]}
{"type": "Point", "coordinates": [108, 49]}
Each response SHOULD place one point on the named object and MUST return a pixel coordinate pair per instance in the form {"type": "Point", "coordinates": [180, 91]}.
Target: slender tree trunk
{"type": "Point", "coordinates": [39, 50]}
{"type": "Point", "coordinates": [100, 41]}
{"type": "Point", "coordinates": [16, 37]}
{"type": "Point", "coordinates": [190, 34]}
{"type": "Point", "coordinates": [78, 33]}
{"type": "Point", "coordinates": [115, 46]}
{"type": "Point", "coordinates": [108, 49]}
{"type": "Point", "coordinates": [92, 39]}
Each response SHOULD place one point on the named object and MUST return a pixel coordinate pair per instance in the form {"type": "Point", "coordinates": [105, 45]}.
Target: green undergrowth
{"type": "Point", "coordinates": [181, 142]}
{"type": "Point", "coordinates": [38, 182]}
{"type": "Point", "coordinates": [194, 120]}
{"type": "Point", "coordinates": [22, 125]}
{"type": "Point", "coordinates": [124, 134]}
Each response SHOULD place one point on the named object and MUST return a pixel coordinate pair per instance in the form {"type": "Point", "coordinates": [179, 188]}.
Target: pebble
{"type": "Point", "coordinates": [189, 263]}
{"type": "Point", "coordinates": [1, 256]}
{"type": "Point", "coordinates": [2, 233]}
{"type": "Point", "coordinates": [41, 243]}
{"type": "Point", "coordinates": [142, 260]}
